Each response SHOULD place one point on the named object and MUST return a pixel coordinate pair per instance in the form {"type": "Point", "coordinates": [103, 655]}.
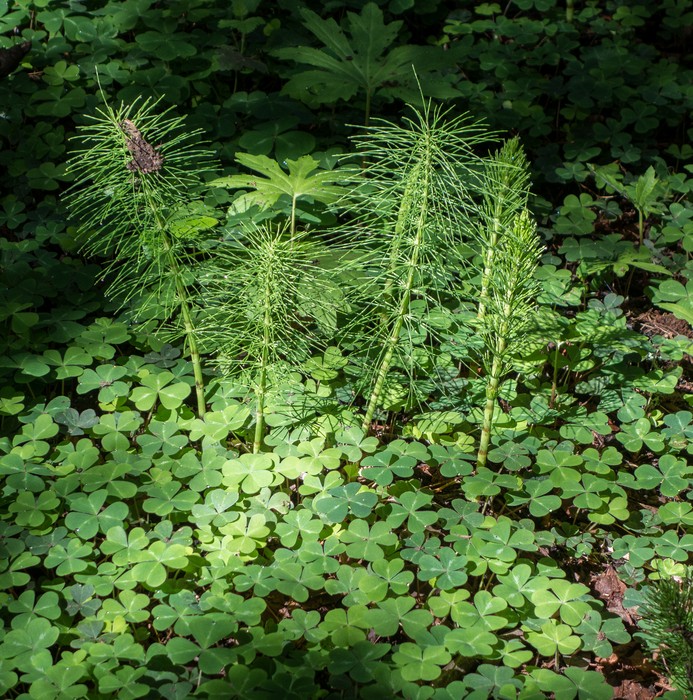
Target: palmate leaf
{"type": "Point", "coordinates": [356, 58]}
{"type": "Point", "coordinates": [302, 180]}
{"type": "Point", "coordinates": [346, 64]}
{"type": "Point", "coordinates": [673, 296]}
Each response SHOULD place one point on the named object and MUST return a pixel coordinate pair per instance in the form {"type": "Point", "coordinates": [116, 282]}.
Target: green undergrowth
{"type": "Point", "coordinates": [413, 489]}
{"type": "Point", "coordinates": [145, 556]}
{"type": "Point", "coordinates": [148, 552]}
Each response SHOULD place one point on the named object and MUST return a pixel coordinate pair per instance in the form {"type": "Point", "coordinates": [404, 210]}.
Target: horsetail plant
{"type": "Point", "coordinates": [510, 250]}
{"type": "Point", "coordinates": [509, 310]}
{"type": "Point", "coordinates": [133, 203]}
{"type": "Point", "coordinates": [270, 302]}
{"type": "Point", "coordinates": [415, 201]}
{"type": "Point", "coordinates": [666, 621]}
{"type": "Point", "coordinates": [505, 183]}
{"type": "Point", "coordinates": [269, 305]}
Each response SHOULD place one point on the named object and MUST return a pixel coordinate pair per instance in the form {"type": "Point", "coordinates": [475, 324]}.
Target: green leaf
{"type": "Point", "coordinates": [168, 498]}
{"type": "Point", "coordinates": [517, 586]}
{"type": "Point", "coordinates": [150, 573]}
{"type": "Point", "coordinates": [447, 569]}
{"type": "Point", "coordinates": [391, 613]}
{"type": "Point", "coordinates": [364, 542]}
{"type": "Point", "coordinates": [218, 424]}
{"type": "Point", "coordinates": [181, 651]}
{"type": "Point", "coordinates": [361, 62]}
{"type": "Point", "coordinates": [250, 473]}
{"type": "Point", "coordinates": [71, 364]}
{"type": "Point", "coordinates": [36, 433]}
{"type": "Point", "coordinates": [245, 534]}
{"type": "Point", "coordinates": [472, 641]}
{"type": "Point", "coordinates": [211, 628]}
{"type": "Point", "coordinates": [165, 46]}
{"type": "Point", "coordinates": [279, 136]}
{"type": "Point", "coordinates": [38, 634]}
{"type": "Point", "coordinates": [673, 296]}
{"type": "Point", "coordinates": [189, 220]}
{"type": "Point", "coordinates": [105, 378]}
{"type": "Point", "coordinates": [671, 476]}
{"type": "Point", "coordinates": [70, 559]}
{"type": "Point", "coordinates": [76, 422]}
{"type": "Point", "coordinates": [80, 599]}
{"type": "Point", "coordinates": [162, 437]}
{"type": "Point", "coordinates": [554, 638]}
{"type": "Point", "coordinates": [420, 664]}
{"type": "Point", "coordinates": [481, 613]}
{"type": "Point", "coordinates": [563, 597]}
{"type": "Point", "coordinates": [354, 443]}
{"type": "Point", "coordinates": [361, 661]}
{"type": "Point", "coordinates": [597, 633]}
{"type": "Point", "coordinates": [158, 387]}
{"type": "Point", "coordinates": [87, 515]}
{"type": "Point", "coordinates": [46, 606]}
{"type": "Point", "coordinates": [346, 627]}
{"type": "Point", "coordinates": [11, 401]}
{"type": "Point", "coordinates": [676, 513]}
{"type": "Point", "coordinates": [302, 180]}
{"type": "Point", "coordinates": [22, 475]}
{"type": "Point", "coordinates": [116, 429]}
{"type": "Point", "coordinates": [345, 66]}
{"type": "Point", "coordinates": [216, 509]}
{"type": "Point", "coordinates": [124, 547]}
{"type": "Point", "coordinates": [411, 507]}
{"type": "Point", "coordinates": [130, 606]}
{"type": "Point", "coordinates": [33, 511]}
{"type": "Point", "coordinates": [338, 502]}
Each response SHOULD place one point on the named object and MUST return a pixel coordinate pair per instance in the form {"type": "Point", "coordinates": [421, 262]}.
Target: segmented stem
{"type": "Point", "coordinates": [261, 388]}
{"type": "Point", "coordinates": [421, 172]}
{"type": "Point", "coordinates": [189, 331]}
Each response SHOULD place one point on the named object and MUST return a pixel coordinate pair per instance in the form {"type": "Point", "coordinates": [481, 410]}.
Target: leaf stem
{"type": "Point", "coordinates": [190, 339]}
{"type": "Point", "coordinates": [261, 387]}
{"type": "Point", "coordinates": [489, 254]}
{"type": "Point", "coordinates": [640, 226]}
{"type": "Point", "coordinates": [489, 408]}
{"type": "Point", "coordinates": [554, 382]}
